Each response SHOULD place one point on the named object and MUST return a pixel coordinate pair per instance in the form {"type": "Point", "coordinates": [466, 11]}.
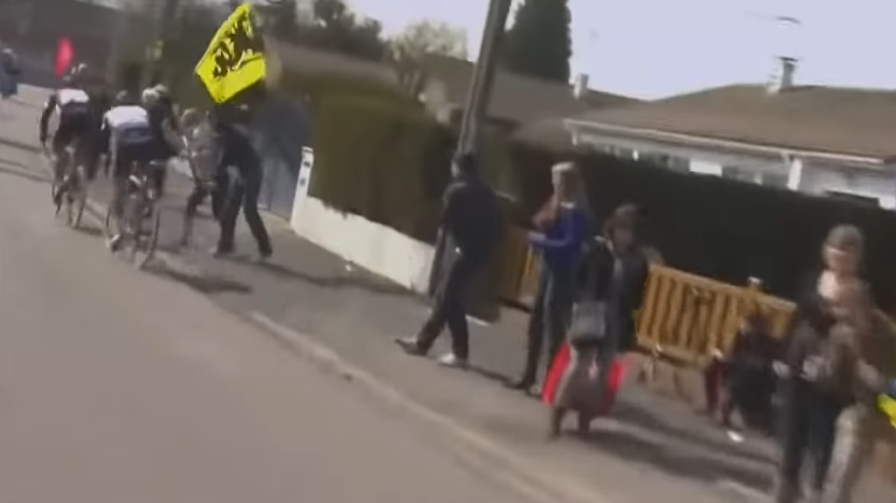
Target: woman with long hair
{"type": "Point", "coordinates": [809, 411]}
{"type": "Point", "coordinates": [561, 230]}
{"type": "Point", "coordinates": [613, 275]}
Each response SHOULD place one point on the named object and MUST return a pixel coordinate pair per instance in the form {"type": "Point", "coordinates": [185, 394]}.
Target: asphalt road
{"type": "Point", "coordinates": [120, 386]}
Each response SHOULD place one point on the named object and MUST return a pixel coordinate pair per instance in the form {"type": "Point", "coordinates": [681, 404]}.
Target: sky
{"type": "Point", "coordinates": [654, 48]}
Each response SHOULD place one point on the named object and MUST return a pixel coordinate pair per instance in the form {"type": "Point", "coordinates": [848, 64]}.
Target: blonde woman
{"type": "Point", "coordinates": [561, 231]}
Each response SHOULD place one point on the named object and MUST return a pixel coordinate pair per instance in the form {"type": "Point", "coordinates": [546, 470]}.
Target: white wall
{"type": "Point", "coordinates": [367, 244]}
{"type": "Point", "coordinates": [796, 173]}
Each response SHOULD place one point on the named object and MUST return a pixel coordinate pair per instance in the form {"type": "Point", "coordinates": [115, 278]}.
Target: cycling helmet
{"type": "Point", "coordinates": [149, 97]}
{"type": "Point", "coordinates": [124, 98]}
{"type": "Point", "coordinates": [190, 117]}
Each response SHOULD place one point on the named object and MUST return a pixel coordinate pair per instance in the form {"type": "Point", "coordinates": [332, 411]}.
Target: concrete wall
{"type": "Point", "coordinates": [370, 245]}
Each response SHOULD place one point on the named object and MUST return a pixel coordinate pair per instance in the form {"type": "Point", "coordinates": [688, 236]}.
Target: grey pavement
{"type": "Point", "coordinates": [116, 386]}
{"type": "Point", "coordinates": [653, 447]}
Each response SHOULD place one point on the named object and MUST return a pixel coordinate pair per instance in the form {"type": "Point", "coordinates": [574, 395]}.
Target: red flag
{"type": "Point", "coordinates": [65, 53]}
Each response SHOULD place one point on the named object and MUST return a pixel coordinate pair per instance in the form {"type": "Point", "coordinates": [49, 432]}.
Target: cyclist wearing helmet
{"type": "Point", "coordinates": [164, 128]}
{"type": "Point", "coordinates": [128, 139]}
{"type": "Point", "coordinates": [100, 103]}
{"type": "Point", "coordinates": [73, 105]}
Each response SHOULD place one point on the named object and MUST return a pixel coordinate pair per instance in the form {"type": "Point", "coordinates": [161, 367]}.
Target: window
{"type": "Point", "coordinates": [774, 180]}
{"type": "Point", "coordinates": [738, 173]}
{"type": "Point", "coordinates": [678, 164]}
{"type": "Point", "coordinates": [675, 163]}
{"type": "Point", "coordinates": [846, 196]}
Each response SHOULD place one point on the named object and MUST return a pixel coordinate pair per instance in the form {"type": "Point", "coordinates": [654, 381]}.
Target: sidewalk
{"type": "Point", "coordinates": [654, 447]}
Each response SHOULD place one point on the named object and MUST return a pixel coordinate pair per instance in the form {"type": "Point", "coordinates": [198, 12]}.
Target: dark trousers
{"type": "Point", "coordinates": [550, 316]}
{"type": "Point", "coordinates": [243, 194]}
{"type": "Point", "coordinates": [808, 429]}
{"type": "Point", "coordinates": [201, 191]}
{"type": "Point", "coordinates": [449, 309]}
{"type": "Point", "coordinates": [747, 390]}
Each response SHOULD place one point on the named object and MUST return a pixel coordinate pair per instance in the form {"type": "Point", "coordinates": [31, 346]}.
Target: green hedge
{"type": "Point", "coordinates": [317, 88]}
{"type": "Point", "coordinates": [384, 163]}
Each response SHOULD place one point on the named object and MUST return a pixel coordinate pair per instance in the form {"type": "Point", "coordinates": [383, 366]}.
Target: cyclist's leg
{"type": "Point", "coordinates": [122, 158]}
{"type": "Point", "coordinates": [61, 139]}
{"type": "Point", "coordinates": [92, 149]}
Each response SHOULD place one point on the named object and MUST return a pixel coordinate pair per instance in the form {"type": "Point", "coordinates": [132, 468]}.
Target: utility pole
{"type": "Point", "coordinates": [483, 78]}
{"type": "Point", "coordinates": [478, 98]}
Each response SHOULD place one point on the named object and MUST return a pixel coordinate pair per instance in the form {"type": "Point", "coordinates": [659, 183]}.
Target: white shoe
{"type": "Point", "coordinates": [114, 242]}
{"type": "Point", "coordinates": [450, 360]}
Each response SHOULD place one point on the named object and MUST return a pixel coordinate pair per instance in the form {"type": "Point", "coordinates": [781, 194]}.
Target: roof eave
{"type": "Point", "coordinates": [694, 140]}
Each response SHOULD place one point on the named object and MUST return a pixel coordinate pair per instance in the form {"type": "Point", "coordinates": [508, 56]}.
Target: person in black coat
{"type": "Point", "coordinates": [614, 272]}
{"type": "Point", "coordinates": [470, 223]}
{"type": "Point", "coordinates": [231, 123]}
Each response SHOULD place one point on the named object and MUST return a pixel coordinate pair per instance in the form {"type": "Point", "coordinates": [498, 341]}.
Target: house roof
{"type": "Point", "coordinates": [549, 133]}
{"type": "Point", "coordinates": [843, 121]}
{"type": "Point", "coordinates": [306, 59]}
{"type": "Point", "coordinates": [519, 98]}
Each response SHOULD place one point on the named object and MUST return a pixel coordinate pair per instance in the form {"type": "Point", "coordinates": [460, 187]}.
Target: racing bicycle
{"type": "Point", "coordinates": [141, 215]}
{"type": "Point", "coordinates": [73, 186]}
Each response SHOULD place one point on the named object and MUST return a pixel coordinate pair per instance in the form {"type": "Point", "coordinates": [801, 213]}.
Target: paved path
{"type": "Point", "coordinates": [654, 449]}
{"type": "Point", "coordinates": [117, 386]}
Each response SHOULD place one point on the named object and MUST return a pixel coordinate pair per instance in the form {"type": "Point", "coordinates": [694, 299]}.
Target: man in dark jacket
{"type": "Point", "coordinates": [232, 128]}
{"type": "Point", "coordinates": [470, 223]}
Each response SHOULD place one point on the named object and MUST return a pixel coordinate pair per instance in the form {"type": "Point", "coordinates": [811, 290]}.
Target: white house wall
{"type": "Point", "coordinates": [794, 173]}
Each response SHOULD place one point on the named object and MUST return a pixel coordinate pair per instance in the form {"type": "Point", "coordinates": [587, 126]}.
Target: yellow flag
{"type": "Point", "coordinates": [234, 59]}
{"type": "Point", "coordinates": [888, 406]}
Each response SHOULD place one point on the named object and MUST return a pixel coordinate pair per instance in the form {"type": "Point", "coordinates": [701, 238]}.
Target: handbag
{"type": "Point", "coordinates": [589, 315]}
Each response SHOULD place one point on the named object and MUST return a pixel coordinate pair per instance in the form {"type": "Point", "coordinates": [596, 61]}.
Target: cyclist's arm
{"type": "Point", "coordinates": [105, 140]}
{"type": "Point", "coordinates": [45, 115]}
{"type": "Point", "coordinates": [174, 139]}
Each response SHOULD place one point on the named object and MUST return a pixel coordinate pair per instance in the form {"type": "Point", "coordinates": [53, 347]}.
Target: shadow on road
{"type": "Point", "coordinates": [201, 283]}
{"type": "Point", "coordinates": [357, 280]}
{"type": "Point", "coordinates": [91, 231]}
{"type": "Point", "coordinates": [21, 146]}
{"type": "Point", "coordinates": [12, 168]}
{"type": "Point", "coordinates": [642, 416]}
{"type": "Point", "coordinates": [709, 469]}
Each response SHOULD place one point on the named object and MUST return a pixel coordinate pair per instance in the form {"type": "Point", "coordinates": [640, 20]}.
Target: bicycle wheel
{"type": "Point", "coordinates": [133, 225]}
{"type": "Point", "coordinates": [151, 240]}
{"type": "Point", "coordinates": [79, 196]}
{"type": "Point", "coordinates": [107, 225]}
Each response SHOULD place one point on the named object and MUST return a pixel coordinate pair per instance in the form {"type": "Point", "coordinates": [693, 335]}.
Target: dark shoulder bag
{"type": "Point", "coordinates": [589, 314]}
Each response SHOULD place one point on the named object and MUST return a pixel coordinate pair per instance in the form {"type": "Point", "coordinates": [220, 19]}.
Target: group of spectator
{"type": "Point", "coordinates": [815, 389]}
{"type": "Point", "coordinates": [226, 166]}
{"type": "Point", "coordinates": [609, 268]}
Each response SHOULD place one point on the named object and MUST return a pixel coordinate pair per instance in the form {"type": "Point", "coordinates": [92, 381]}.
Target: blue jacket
{"type": "Point", "coordinates": [561, 244]}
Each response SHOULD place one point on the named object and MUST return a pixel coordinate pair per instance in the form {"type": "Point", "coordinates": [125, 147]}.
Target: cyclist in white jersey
{"type": "Point", "coordinates": [128, 139]}
{"type": "Point", "coordinates": [73, 105]}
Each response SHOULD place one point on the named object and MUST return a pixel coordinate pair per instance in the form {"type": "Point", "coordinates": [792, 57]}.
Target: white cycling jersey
{"type": "Point", "coordinates": [70, 102]}
{"type": "Point", "coordinates": [69, 96]}
{"type": "Point", "coordinates": [129, 124]}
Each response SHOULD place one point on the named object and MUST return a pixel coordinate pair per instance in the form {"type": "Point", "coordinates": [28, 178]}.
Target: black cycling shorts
{"type": "Point", "coordinates": [71, 128]}
{"type": "Point", "coordinates": [127, 154]}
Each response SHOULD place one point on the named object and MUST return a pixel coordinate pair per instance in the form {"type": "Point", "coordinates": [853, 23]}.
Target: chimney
{"type": "Point", "coordinates": [783, 78]}
{"type": "Point", "coordinates": [580, 86]}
